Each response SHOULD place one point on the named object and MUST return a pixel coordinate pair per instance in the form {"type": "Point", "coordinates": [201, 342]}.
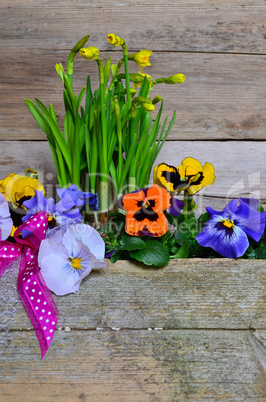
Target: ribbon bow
{"type": "Point", "coordinates": [33, 291]}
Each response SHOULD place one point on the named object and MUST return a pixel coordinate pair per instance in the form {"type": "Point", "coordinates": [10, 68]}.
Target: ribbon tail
{"type": "Point", "coordinates": [37, 299]}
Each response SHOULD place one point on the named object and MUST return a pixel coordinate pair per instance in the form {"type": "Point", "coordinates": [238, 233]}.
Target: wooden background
{"type": "Point", "coordinates": [213, 330]}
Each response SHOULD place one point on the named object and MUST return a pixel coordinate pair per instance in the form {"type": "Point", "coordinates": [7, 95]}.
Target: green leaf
{"type": "Point", "coordinates": [182, 252]}
{"type": "Point", "coordinates": [41, 120]}
{"type": "Point", "coordinates": [79, 45]}
{"type": "Point", "coordinates": [132, 243]}
{"type": "Point", "coordinates": [153, 254]}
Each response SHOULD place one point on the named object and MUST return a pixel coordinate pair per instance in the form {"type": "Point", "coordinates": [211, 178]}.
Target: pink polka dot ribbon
{"type": "Point", "coordinates": [33, 291]}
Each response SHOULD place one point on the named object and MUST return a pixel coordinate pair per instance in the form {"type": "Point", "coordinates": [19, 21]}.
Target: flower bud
{"type": "Point", "coordinates": [89, 53]}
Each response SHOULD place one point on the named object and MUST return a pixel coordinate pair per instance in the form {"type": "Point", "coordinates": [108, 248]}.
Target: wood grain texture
{"type": "Point", "coordinates": [239, 165]}
{"type": "Point", "coordinates": [220, 47]}
{"type": "Point", "coordinates": [191, 26]}
{"type": "Point", "coordinates": [194, 293]}
{"type": "Point", "coordinates": [223, 97]}
{"type": "Point", "coordinates": [132, 366]}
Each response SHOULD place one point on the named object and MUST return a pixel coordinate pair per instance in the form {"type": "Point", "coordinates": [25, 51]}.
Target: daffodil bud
{"type": "Point", "coordinates": [60, 70]}
{"type": "Point", "coordinates": [177, 79]}
{"type": "Point", "coordinates": [148, 106]}
{"type": "Point", "coordinates": [157, 99]}
{"type": "Point", "coordinates": [115, 40]}
{"type": "Point", "coordinates": [174, 79]}
{"type": "Point", "coordinates": [145, 102]}
{"type": "Point", "coordinates": [113, 70]}
{"type": "Point", "coordinates": [111, 38]}
{"type": "Point", "coordinates": [89, 53]}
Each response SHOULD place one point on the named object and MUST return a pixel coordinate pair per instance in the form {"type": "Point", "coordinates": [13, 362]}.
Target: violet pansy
{"type": "Point", "coordinates": [67, 257]}
{"type": "Point", "coordinates": [227, 231]}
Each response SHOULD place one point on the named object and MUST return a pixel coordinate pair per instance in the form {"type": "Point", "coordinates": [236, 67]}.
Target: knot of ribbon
{"type": "Point", "coordinates": [32, 289]}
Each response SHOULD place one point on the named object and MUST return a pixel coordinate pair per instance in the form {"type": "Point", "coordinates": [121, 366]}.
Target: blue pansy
{"type": "Point", "coordinates": [227, 231]}
{"type": "Point", "coordinates": [56, 211]}
{"type": "Point", "coordinates": [73, 197]}
{"type": "Point", "coordinates": [67, 257]}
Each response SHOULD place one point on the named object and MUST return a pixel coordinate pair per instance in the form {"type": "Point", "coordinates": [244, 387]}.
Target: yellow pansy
{"type": "Point", "coordinates": [141, 58]}
{"type": "Point", "coordinates": [198, 176]}
{"type": "Point", "coordinates": [168, 177]}
{"type": "Point", "coordinates": [89, 53]}
{"type": "Point", "coordinates": [16, 189]}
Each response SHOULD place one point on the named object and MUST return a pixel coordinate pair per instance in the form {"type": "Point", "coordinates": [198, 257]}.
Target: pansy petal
{"type": "Point", "coordinates": [168, 177]}
{"type": "Point", "coordinates": [250, 202]}
{"type": "Point", "coordinates": [228, 243]}
{"type": "Point", "coordinates": [90, 237]}
{"type": "Point", "coordinates": [130, 201]}
{"type": "Point", "coordinates": [160, 196]}
{"type": "Point", "coordinates": [52, 245]}
{"type": "Point", "coordinates": [58, 274]}
{"type": "Point", "coordinates": [250, 221]}
{"type": "Point", "coordinates": [176, 206]}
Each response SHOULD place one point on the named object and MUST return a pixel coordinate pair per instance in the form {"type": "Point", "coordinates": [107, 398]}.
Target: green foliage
{"type": "Point", "coordinates": [108, 134]}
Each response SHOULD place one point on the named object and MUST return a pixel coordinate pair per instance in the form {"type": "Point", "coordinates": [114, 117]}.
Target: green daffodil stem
{"type": "Point", "coordinates": [119, 139]}
{"type": "Point", "coordinates": [124, 47]}
{"type": "Point", "coordinates": [104, 142]}
{"type": "Point", "coordinates": [186, 206]}
{"type": "Point", "coordinates": [131, 184]}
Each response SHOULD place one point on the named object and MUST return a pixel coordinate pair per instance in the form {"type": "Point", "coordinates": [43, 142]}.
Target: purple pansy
{"type": "Point", "coordinates": [67, 257]}
{"type": "Point", "coordinates": [226, 231]}
{"type": "Point", "coordinates": [73, 197]}
{"type": "Point", "coordinates": [55, 211]}
{"type": "Point", "coordinates": [6, 222]}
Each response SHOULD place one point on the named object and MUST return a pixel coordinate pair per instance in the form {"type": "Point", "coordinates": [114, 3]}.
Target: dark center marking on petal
{"type": "Point", "coordinates": [198, 181]}
{"type": "Point", "coordinates": [174, 178]}
{"type": "Point", "coordinates": [146, 211]}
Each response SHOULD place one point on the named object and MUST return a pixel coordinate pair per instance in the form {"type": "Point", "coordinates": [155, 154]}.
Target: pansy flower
{"type": "Point", "coordinates": [145, 211]}
{"type": "Point", "coordinates": [6, 222]}
{"type": "Point", "coordinates": [199, 176]}
{"type": "Point", "coordinates": [168, 177]}
{"type": "Point", "coordinates": [73, 197]}
{"type": "Point", "coordinates": [67, 257]}
{"type": "Point", "coordinates": [227, 231]}
{"type": "Point", "coordinates": [190, 176]}
{"type": "Point", "coordinates": [57, 213]}
{"type": "Point", "coordinates": [16, 189]}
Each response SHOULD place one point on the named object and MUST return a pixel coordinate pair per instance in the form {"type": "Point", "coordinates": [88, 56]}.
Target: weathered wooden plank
{"type": "Point", "coordinates": [133, 366]}
{"type": "Point", "coordinates": [200, 26]}
{"type": "Point", "coordinates": [222, 98]}
{"type": "Point", "coordinates": [194, 293]}
{"type": "Point", "coordinates": [240, 166]}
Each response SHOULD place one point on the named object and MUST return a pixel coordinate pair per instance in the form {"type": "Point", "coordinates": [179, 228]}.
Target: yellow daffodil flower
{"type": "Point", "coordinates": [198, 176]}
{"type": "Point", "coordinates": [141, 58]}
{"type": "Point", "coordinates": [89, 53]}
{"type": "Point", "coordinates": [144, 75]}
